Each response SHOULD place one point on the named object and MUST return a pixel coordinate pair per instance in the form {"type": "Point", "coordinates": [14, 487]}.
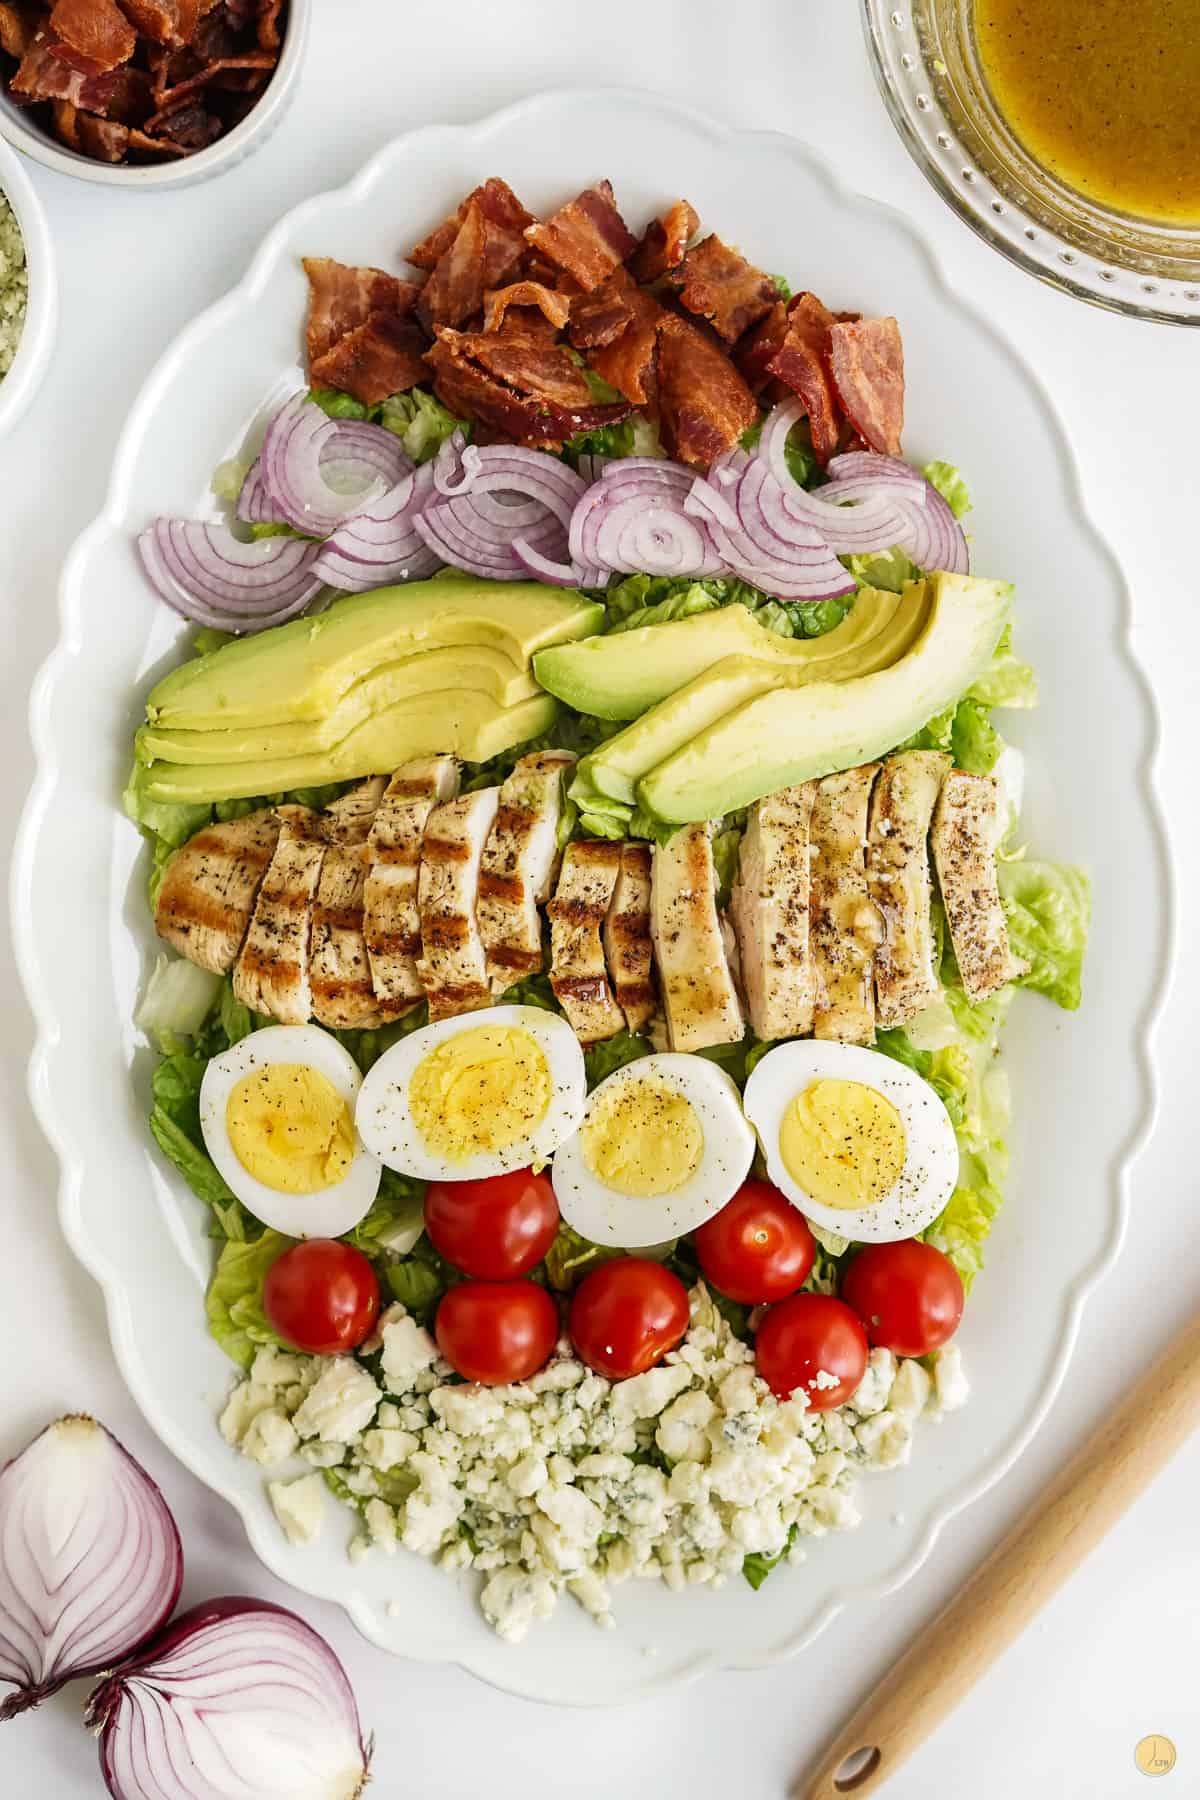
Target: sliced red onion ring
{"type": "Point", "coordinates": [203, 572]}
{"type": "Point", "coordinates": [635, 520]}
{"type": "Point", "coordinates": [757, 539]}
{"type": "Point", "coordinates": [255, 506]}
{"type": "Point", "coordinates": [870, 523]}
{"type": "Point", "coordinates": [932, 537]}
{"type": "Point", "coordinates": [451, 469]}
{"type": "Point", "coordinates": [381, 544]}
{"type": "Point", "coordinates": [304, 450]}
{"type": "Point", "coordinates": [90, 1560]}
{"type": "Point", "coordinates": [236, 1698]}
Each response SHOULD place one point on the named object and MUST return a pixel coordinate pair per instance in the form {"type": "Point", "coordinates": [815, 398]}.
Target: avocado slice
{"type": "Point", "coordinates": [890, 626]}
{"type": "Point", "coordinates": [475, 668]}
{"type": "Point", "coordinates": [303, 670]}
{"type": "Point", "coordinates": [798, 734]}
{"type": "Point", "coordinates": [451, 719]}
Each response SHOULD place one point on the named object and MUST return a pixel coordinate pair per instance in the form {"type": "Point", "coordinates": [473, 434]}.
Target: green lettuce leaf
{"type": "Point", "coordinates": [661, 599]}
{"type": "Point", "coordinates": [1049, 908]}
{"type": "Point", "coordinates": [604, 1058]}
{"type": "Point", "coordinates": [421, 422]}
{"type": "Point", "coordinates": [756, 1567]}
{"type": "Point", "coordinates": [570, 1257]}
{"type": "Point", "coordinates": [419, 1281]}
{"type": "Point", "coordinates": [341, 406]}
{"type": "Point", "coordinates": [950, 484]}
{"type": "Point", "coordinates": [974, 741]}
{"type": "Point", "coordinates": [396, 1220]}
{"type": "Point", "coordinates": [888, 569]}
{"type": "Point", "coordinates": [1007, 681]}
{"type": "Point", "coordinates": [234, 1304]}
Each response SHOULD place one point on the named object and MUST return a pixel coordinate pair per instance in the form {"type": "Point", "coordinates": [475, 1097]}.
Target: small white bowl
{"type": "Point", "coordinates": [17, 388]}
{"type": "Point", "coordinates": [23, 130]}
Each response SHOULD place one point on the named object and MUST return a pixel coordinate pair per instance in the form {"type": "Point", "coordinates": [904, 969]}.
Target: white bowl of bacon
{"type": "Point", "coordinates": [147, 93]}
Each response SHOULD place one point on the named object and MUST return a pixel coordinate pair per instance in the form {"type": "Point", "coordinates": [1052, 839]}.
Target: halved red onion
{"type": "Point", "coordinates": [305, 451]}
{"type": "Point", "coordinates": [237, 1698]}
{"type": "Point", "coordinates": [90, 1560]}
{"type": "Point", "coordinates": [381, 544]}
{"type": "Point", "coordinates": [203, 572]}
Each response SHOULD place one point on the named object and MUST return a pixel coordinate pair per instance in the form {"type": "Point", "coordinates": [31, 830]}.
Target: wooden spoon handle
{"type": "Point", "coordinates": [1079, 1507]}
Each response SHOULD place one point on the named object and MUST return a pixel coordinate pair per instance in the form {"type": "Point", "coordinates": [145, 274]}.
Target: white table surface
{"type": "Point", "coordinates": [1115, 1655]}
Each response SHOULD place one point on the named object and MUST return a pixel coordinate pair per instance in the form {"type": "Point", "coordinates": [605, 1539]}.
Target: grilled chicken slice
{"type": "Point", "coordinates": [769, 907]}
{"type": "Point", "coordinates": [966, 830]}
{"type": "Point", "coordinates": [516, 871]}
{"type": "Point", "coordinates": [391, 917]}
{"type": "Point", "coordinates": [698, 993]}
{"type": "Point", "coordinates": [343, 996]}
{"type": "Point", "coordinates": [272, 973]}
{"type": "Point", "coordinates": [844, 925]}
{"type": "Point", "coordinates": [452, 965]}
{"type": "Point", "coordinates": [578, 975]}
{"type": "Point", "coordinates": [627, 943]}
{"type": "Point", "coordinates": [210, 886]}
{"type": "Point", "coordinates": [898, 882]}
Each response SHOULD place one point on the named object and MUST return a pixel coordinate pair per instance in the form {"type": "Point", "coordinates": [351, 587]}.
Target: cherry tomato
{"type": "Point", "coordinates": [626, 1315]}
{"type": "Point", "coordinates": [757, 1248]}
{"type": "Point", "coordinates": [496, 1331]}
{"type": "Point", "coordinates": [908, 1295]}
{"type": "Point", "coordinates": [494, 1229]}
{"type": "Point", "coordinates": [809, 1337]}
{"type": "Point", "coordinates": [321, 1296]}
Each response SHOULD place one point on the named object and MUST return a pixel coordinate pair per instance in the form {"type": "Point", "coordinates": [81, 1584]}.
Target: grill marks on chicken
{"type": "Point", "coordinates": [517, 866]}
{"type": "Point", "coordinates": [577, 914]}
{"type": "Point", "coordinates": [769, 907]}
{"type": "Point", "coordinates": [405, 889]}
{"type": "Point", "coordinates": [699, 997]}
{"type": "Point", "coordinates": [210, 886]}
{"type": "Point", "coordinates": [452, 965]}
{"type": "Point", "coordinates": [391, 916]}
{"type": "Point", "coordinates": [627, 942]}
{"type": "Point", "coordinates": [966, 830]}
{"type": "Point", "coordinates": [272, 972]}
{"type": "Point", "coordinates": [899, 884]}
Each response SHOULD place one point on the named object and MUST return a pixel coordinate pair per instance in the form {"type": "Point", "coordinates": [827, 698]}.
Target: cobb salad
{"type": "Point", "coordinates": [592, 888]}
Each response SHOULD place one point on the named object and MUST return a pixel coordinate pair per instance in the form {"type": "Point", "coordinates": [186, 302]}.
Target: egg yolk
{"type": "Point", "coordinates": [482, 1090]}
{"type": "Point", "coordinates": [843, 1143]}
{"type": "Point", "coordinates": [290, 1128]}
{"type": "Point", "coordinates": [643, 1138]}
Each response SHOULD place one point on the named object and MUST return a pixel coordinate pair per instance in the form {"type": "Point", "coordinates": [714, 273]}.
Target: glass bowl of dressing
{"type": "Point", "coordinates": [1065, 132]}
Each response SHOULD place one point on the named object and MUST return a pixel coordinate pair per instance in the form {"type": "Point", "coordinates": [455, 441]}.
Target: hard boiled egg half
{"type": "Point", "coordinates": [860, 1143]}
{"type": "Point", "coordinates": [476, 1095]}
{"type": "Point", "coordinates": [277, 1113]}
{"type": "Point", "coordinates": [662, 1147]}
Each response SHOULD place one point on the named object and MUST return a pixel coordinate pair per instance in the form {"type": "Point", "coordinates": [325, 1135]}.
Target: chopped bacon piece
{"type": "Point", "coordinates": [529, 365]}
{"type": "Point", "coordinates": [189, 125]}
{"type": "Point", "coordinates": [256, 63]}
{"type": "Point", "coordinates": [553, 307]}
{"type": "Point", "coordinates": [163, 21]}
{"type": "Point", "coordinates": [131, 102]}
{"type": "Point", "coordinates": [92, 34]}
{"type": "Point", "coordinates": [45, 75]}
{"type": "Point", "coordinates": [587, 237]}
{"type": "Point", "coordinates": [341, 298]}
{"type": "Point", "coordinates": [18, 28]}
{"type": "Point", "coordinates": [214, 38]}
{"type": "Point", "coordinates": [484, 254]}
{"type": "Point", "coordinates": [141, 144]}
{"type": "Point", "coordinates": [866, 359]}
{"type": "Point", "coordinates": [384, 355]}
{"type": "Point", "coordinates": [269, 35]}
{"type": "Point", "coordinates": [802, 364]}
{"type": "Point", "coordinates": [754, 355]}
{"type": "Point", "coordinates": [471, 393]}
{"type": "Point", "coordinates": [498, 203]}
{"type": "Point", "coordinates": [240, 12]}
{"type": "Point", "coordinates": [601, 316]}
{"type": "Point", "coordinates": [665, 242]}
{"type": "Point", "coordinates": [105, 139]}
{"type": "Point", "coordinates": [627, 363]}
{"type": "Point", "coordinates": [704, 404]}
{"type": "Point", "coordinates": [66, 122]}
{"type": "Point", "coordinates": [722, 287]}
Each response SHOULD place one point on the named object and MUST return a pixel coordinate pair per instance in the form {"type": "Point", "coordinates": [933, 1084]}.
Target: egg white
{"type": "Point", "coordinates": [384, 1114]}
{"type": "Point", "coordinates": [930, 1170]}
{"type": "Point", "coordinates": [330, 1211]}
{"type": "Point", "coordinates": [607, 1215]}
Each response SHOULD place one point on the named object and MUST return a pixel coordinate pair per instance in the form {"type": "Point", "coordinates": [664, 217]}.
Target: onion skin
{"type": "Point", "coordinates": [63, 1611]}
{"type": "Point", "coordinates": [110, 1712]}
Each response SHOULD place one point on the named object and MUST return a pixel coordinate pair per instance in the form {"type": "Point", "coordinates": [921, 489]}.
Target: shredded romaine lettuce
{"type": "Point", "coordinates": [234, 1304]}
{"type": "Point", "coordinates": [179, 996]}
{"type": "Point", "coordinates": [950, 484]}
{"type": "Point", "coordinates": [421, 422]}
{"type": "Point", "coordinates": [661, 599]}
{"type": "Point", "coordinates": [1049, 908]}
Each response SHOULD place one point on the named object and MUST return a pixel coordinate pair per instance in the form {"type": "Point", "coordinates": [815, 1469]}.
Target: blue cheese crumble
{"type": "Point", "coordinates": [568, 1481]}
